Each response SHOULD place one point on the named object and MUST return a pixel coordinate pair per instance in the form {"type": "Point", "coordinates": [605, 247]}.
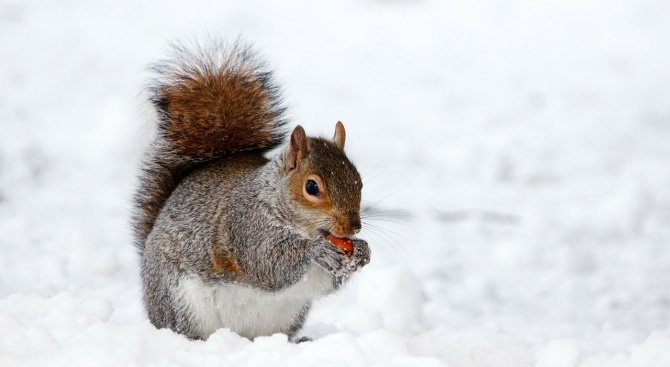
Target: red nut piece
{"type": "Point", "coordinates": [343, 244]}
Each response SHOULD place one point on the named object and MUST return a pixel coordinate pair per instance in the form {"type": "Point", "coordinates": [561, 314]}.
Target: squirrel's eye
{"type": "Point", "coordinates": [312, 188]}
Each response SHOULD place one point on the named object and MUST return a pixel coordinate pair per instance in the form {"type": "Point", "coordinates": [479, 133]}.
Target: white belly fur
{"type": "Point", "coordinates": [248, 311]}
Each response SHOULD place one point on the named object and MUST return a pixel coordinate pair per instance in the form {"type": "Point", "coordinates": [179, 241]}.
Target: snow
{"type": "Point", "coordinates": [515, 155]}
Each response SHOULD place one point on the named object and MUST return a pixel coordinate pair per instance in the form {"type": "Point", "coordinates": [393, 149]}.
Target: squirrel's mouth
{"type": "Point", "coordinates": [344, 244]}
{"type": "Point", "coordinates": [325, 233]}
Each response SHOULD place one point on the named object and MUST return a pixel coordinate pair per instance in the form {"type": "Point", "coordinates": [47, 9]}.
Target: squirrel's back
{"type": "Point", "coordinates": [211, 100]}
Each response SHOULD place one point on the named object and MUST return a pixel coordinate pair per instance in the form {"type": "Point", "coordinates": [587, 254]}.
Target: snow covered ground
{"type": "Point", "coordinates": [519, 153]}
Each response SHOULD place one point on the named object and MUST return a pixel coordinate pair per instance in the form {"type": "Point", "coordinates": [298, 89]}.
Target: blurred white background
{"type": "Point", "coordinates": [515, 154]}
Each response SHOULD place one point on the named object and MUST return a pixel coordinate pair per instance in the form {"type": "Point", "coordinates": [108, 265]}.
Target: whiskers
{"type": "Point", "coordinates": [380, 224]}
{"type": "Point", "coordinates": [385, 229]}
{"type": "Point", "coordinates": [318, 225]}
{"type": "Point", "coordinates": [377, 230]}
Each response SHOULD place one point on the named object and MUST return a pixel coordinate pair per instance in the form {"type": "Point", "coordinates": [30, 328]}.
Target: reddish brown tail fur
{"type": "Point", "coordinates": [212, 100]}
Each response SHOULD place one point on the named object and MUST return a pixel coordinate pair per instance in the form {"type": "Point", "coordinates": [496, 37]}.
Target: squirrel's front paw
{"type": "Point", "coordinates": [361, 255]}
{"type": "Point", "coordinates": [337, 262]}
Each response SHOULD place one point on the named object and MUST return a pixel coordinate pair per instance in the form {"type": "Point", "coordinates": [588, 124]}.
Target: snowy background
{"type": "Point", "coordinates": [517, 155]}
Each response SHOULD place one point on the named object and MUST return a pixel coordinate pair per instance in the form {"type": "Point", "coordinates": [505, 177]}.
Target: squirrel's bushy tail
{"type": "Point", "coordinates": [211, 100]}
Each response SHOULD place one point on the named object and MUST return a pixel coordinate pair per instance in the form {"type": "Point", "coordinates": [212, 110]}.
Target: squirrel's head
{"type": "Point", "coordinates": [324, 185]}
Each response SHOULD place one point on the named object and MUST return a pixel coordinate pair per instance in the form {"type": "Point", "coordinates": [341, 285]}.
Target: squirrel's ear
{"type": "Point", "coordinates": [298, 147]}
{"type": "Point", "coordinates": [340, 135]}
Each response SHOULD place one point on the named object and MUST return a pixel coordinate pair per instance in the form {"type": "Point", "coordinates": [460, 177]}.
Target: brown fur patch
{"type": "Point", "coordinates": [223, 263]}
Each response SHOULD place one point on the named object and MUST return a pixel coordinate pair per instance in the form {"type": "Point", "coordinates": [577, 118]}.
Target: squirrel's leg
{"type": "Point", "coordinates": [161, 285]}
{"type": "Point", "coordinates": [158, 285]}
{"type": "Point", "coordinates": [297, 325]}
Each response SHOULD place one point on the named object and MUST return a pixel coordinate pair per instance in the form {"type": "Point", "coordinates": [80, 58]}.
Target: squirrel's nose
{"type": "Point", "coordinates": [355, 225]}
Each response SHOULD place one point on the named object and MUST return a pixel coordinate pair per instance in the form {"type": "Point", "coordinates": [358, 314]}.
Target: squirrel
{"type": "Point", "coordinates": [228, 238]}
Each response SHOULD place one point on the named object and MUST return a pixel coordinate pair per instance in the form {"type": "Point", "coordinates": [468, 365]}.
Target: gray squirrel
{"type": "Point", "coordinates": [228, 238]}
